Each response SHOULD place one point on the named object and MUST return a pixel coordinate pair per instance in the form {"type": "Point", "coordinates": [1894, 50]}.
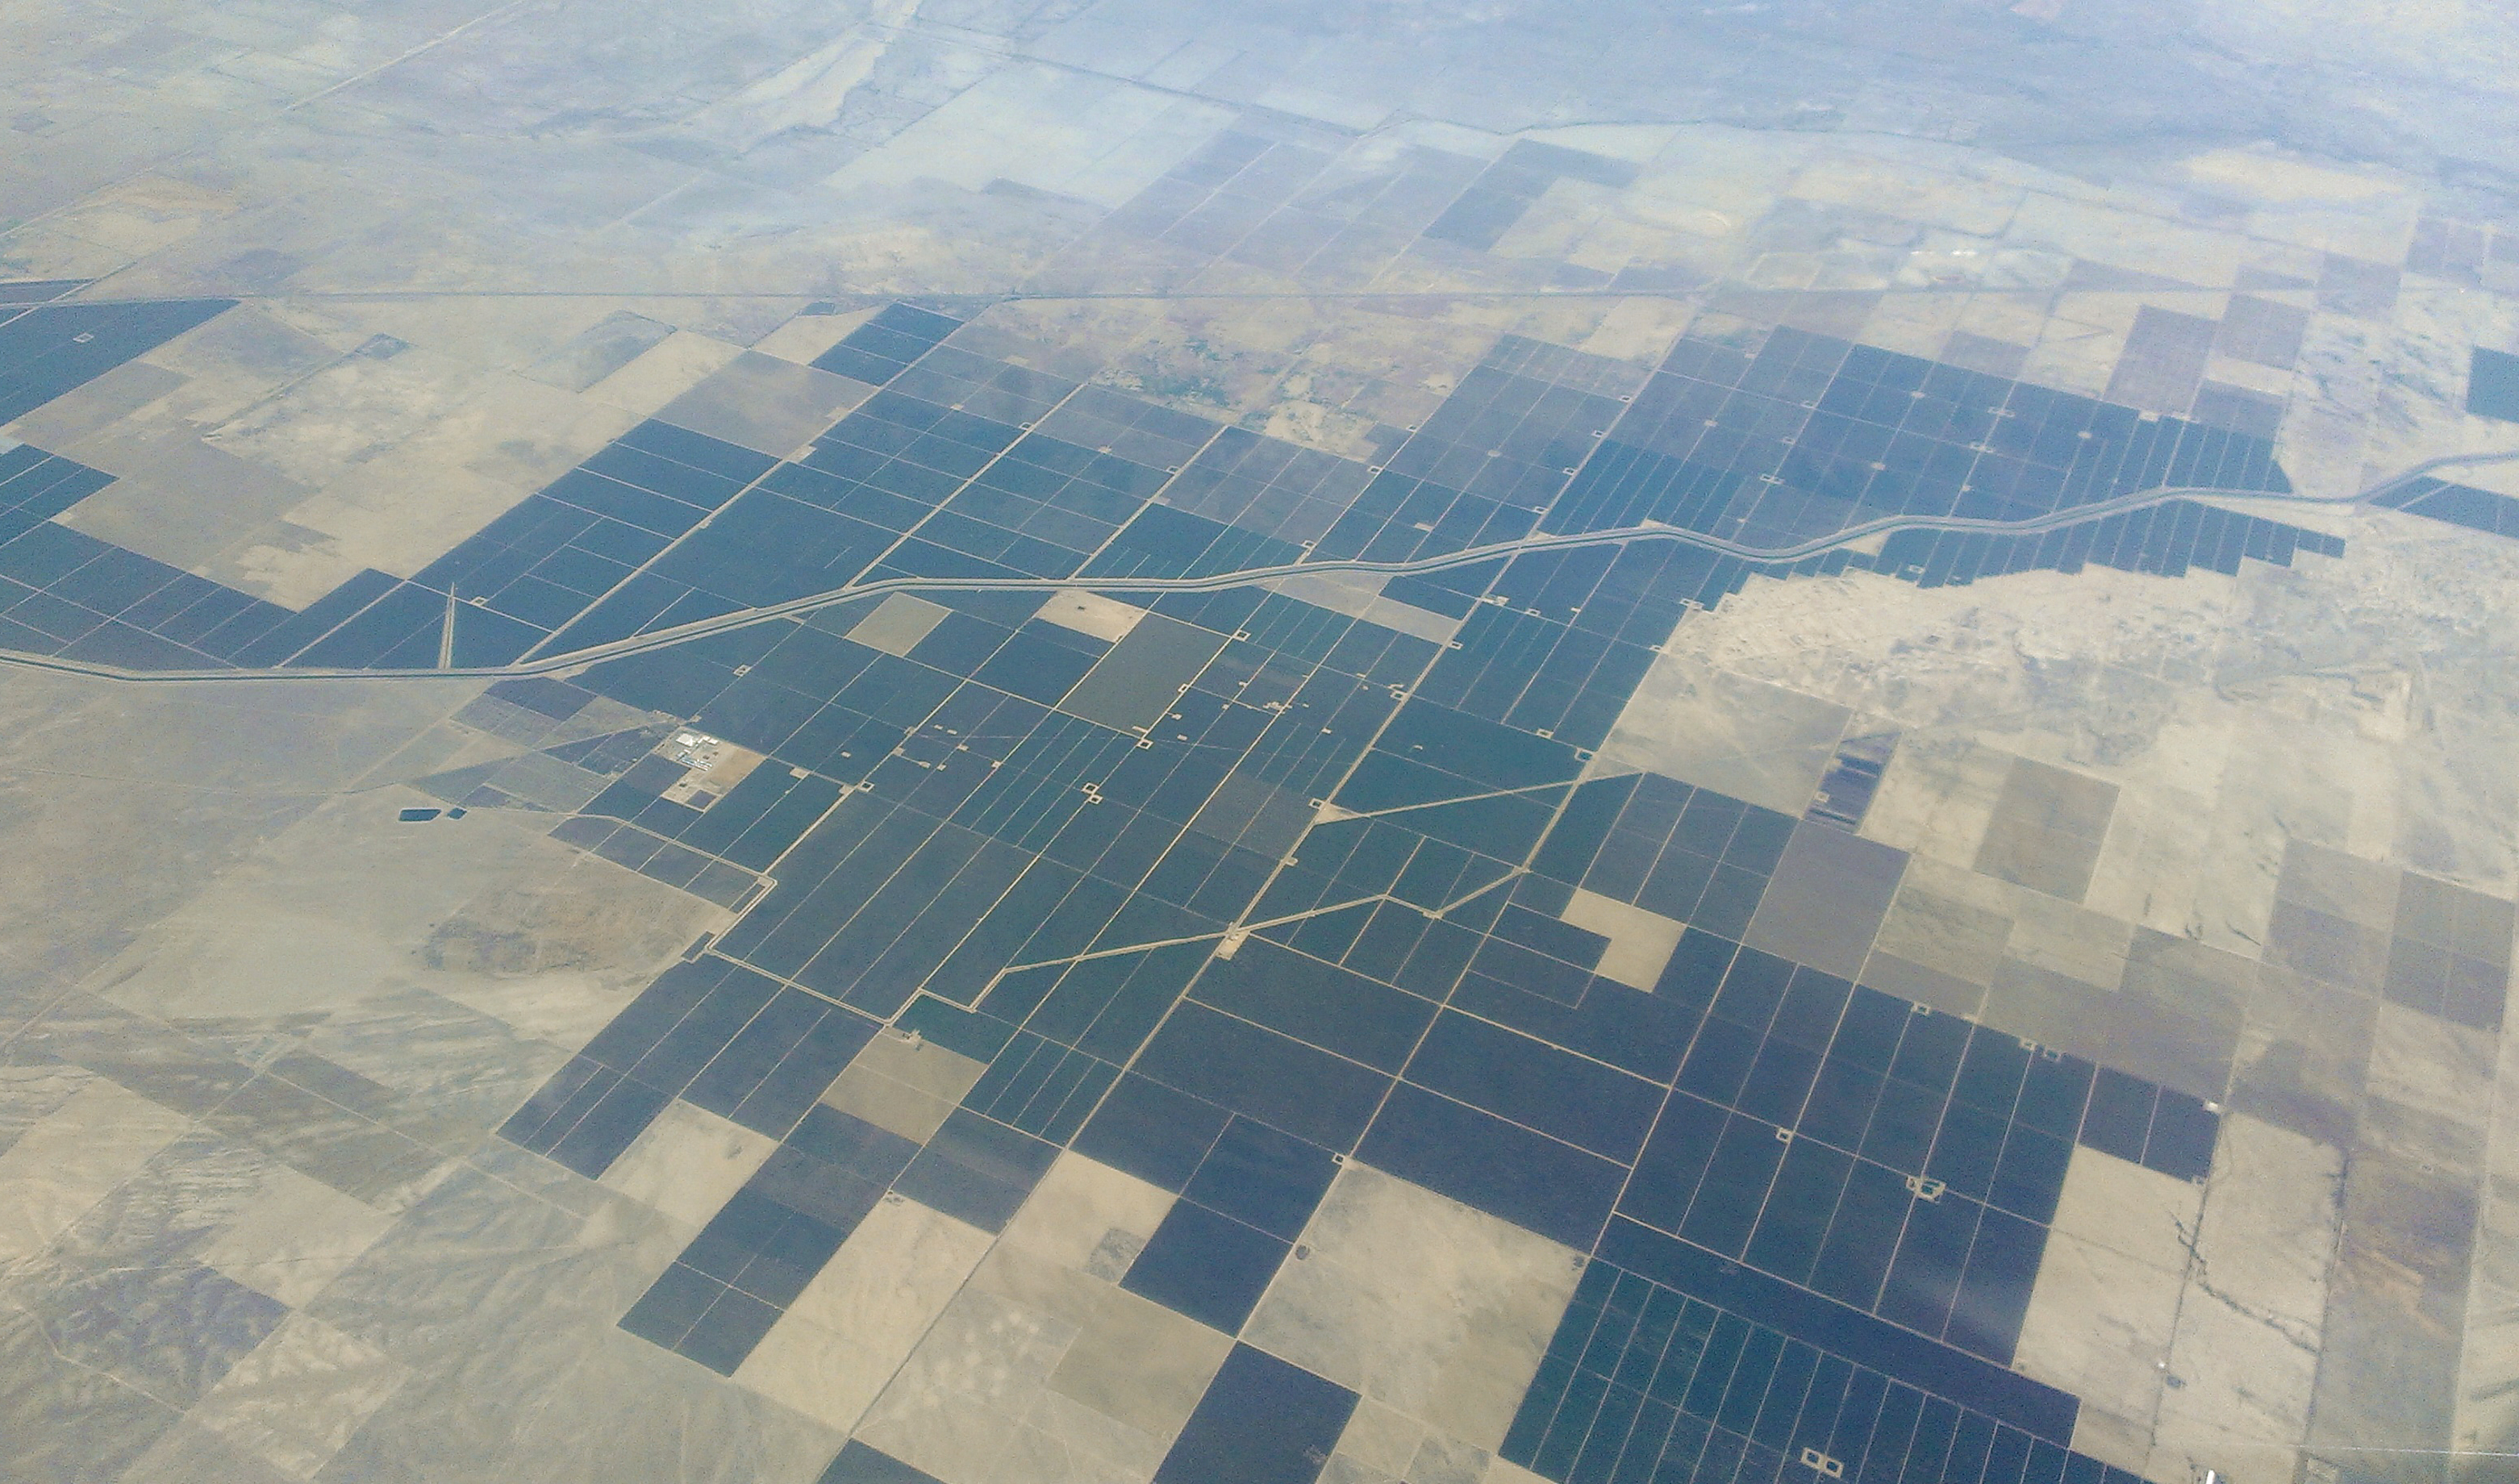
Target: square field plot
{"type": "Point", "coordinates": [2492, 385]}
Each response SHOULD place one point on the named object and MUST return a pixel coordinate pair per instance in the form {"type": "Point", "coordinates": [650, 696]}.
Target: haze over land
{"type": "Point", "coordinates": [1399, 743]}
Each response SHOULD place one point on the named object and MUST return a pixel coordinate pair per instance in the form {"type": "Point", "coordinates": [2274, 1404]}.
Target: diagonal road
{"type": "Point", "coordinates": [744, 618]}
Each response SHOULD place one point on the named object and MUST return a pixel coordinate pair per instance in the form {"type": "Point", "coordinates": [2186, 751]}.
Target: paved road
{"type": "Point", "coordinates": [665, 638]}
